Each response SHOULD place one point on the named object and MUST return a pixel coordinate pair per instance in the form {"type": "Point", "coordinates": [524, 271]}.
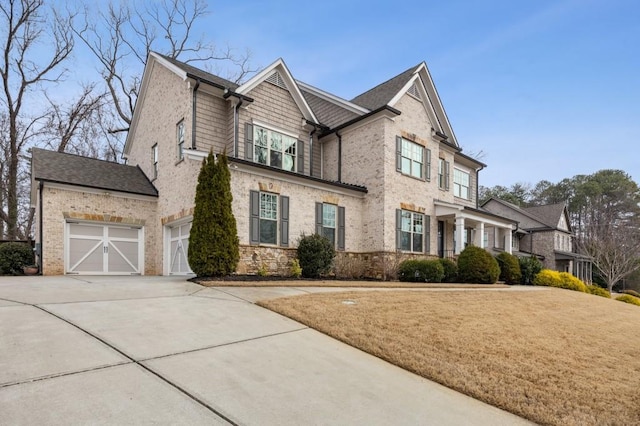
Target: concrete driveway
{"type": "Point", "coordinates": [142, 350]}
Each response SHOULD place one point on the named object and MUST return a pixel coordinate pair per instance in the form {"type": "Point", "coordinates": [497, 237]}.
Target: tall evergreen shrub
{"type": "Point", "coordinates": [213, 240]}
{"type": "Point", "coordinates": [476, 265]}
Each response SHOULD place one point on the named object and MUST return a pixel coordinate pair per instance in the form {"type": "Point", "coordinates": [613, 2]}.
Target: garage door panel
{"type": "Point", "coordinates": [178, 249]}
{"type": "Point", "coordinates": [103, 249]}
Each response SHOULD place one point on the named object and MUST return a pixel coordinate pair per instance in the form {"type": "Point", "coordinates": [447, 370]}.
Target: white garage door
{"type": "Point", "coordinates": [178, 249]}
{"type": "Point", "coordinates": [103, 249]}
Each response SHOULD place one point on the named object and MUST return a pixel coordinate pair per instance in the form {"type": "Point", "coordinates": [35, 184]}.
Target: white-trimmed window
{"type": "Point", "coordinates": [485, 239]}
{"type": "Point", "coordinates": [443, 174]}
{"type": "Point", "coordinates": [154, 160]}
{"type": "Point", "coordinates": [461, 181]}
{"type": "Point", "coordinates": [269, 222]}
{"type": "Point", "coordinates": [274, 149]}
{"type": "Point", "coordinates": [412, 231]}
{"type": "Point", "coordinates": [330, 223]}
{"type": "Point", "coordinates": [180, 139]}
{"type": "Point", "coordinates": [413, 159]}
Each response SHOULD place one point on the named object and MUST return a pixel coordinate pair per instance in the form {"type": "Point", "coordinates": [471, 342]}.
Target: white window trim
{"type": "Point", "coordinates": [456, 183]}
{"type": "Point", "coordinates": [410, 250]}
{"type": "Point", "coordinates": [275, 129]}
{"type": "Point", "coordinates": [422, 165]}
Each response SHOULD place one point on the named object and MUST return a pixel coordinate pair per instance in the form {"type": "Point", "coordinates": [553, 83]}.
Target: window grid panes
{"type": "Point", "coordinates": [154, 156]}
{"type": "Point", "coordinates": [441, 173]}
{"type": "Point", "coordinates": [412, 159]}
{"type": "Point", "coordinates": [274, 149]}
{"type": "Point", "coordinates": [268, 218]}
{"type": "Point", "coordinates": [180, 136]}
{"type": "Point", "coordinates": [412, 231]}
{"type": "Point", "coordinates": [329, 213]}
{"type": "Point", "coordinates": [461, 184]}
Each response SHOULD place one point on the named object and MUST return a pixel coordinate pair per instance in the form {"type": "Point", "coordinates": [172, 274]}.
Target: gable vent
{"type": "Point", "coordinates": [413, 91]}
{"type": "Point", "coordinates": [276, 79]}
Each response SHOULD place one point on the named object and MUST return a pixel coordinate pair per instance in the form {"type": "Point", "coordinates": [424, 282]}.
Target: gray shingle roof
{"type": "Point", "coordinates": [549, 214]}
{"type": "Point", "coordinates": [383, 93]}
{"type": "Point", "coordinates": [52, 166]}
{"type": "Point", "coordinates": [197, 72]}
{"type": "Point", "coordinates": [328, 113]}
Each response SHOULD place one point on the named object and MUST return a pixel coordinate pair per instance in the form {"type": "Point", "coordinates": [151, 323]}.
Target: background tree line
{"type": "Point", "coordinates": [43, 103]}
{"type": "Point", "coordinates": [604, 212]}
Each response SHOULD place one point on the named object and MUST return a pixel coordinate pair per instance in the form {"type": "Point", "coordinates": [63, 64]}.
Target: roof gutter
{"type": "Point", "coordinates": [194, 100]}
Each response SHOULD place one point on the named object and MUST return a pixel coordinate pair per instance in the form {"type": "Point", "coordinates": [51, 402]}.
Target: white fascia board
{"type": "Point", "coordinates": [357, 109]}
{"type": "Point", "coordinates": [439, 108]}
{"type": "Point", "coordinates": [153, 58]}
{"type": "Point", "coordinates": [294, 90]}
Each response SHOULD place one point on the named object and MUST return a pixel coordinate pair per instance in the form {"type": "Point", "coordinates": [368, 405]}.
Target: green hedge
{"type": "Point", "coordinates": [509, 268]}
{"type": "Point", "coordinates": [421, 270]}
{"type": "Point", "coordinates": [476, 265]}
{"type": "Point", "coordinates": [598, 291]}
{"type": "Point", "coordinates": [14, 256]}
{"type": "Point", "coordinates": [450, 270]}
{"type": "Point", "coordinates": [529, 268]}
{"type": "Point", "coordinates": [627, 298]}
{"type": "Point", "coordinates": [315, 254]}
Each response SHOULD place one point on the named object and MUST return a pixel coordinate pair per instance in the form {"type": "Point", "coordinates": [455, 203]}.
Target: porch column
{"type": "Point", "coordinates": [459, 235]}
{"type": "Point", "coordinates": [507, 240]}
{"type": "Point", "coordinates": [479, 235]}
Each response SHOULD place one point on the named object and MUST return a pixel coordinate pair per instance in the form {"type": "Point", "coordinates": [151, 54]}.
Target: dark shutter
{"type": "Point", "coordinates": [427, 234]}
{"type": "Point", "coordinates": [248, 141]}
{"type": "Point", "coordinates": [319, 218]}
{"type": "Point", "coordinates": [427, 172]}
{"type": "Point", "coordinates": [398, 153]}
{"type": "Point", "coordinates": [300, 150]}
{"type": "Point", "coordinates": [254, 223]}
{"type": "Point", "coordinates": [284, 221]}
{"type": "Point", "coordinates": [446, 175]}
{"type": "Point", "coordinates": [341, 220]}
{"type": "Point", "coordinates": [398, 229]}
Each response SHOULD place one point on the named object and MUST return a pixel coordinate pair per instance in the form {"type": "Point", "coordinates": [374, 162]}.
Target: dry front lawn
{"type": "Point", "coordinates": [253, 281]}
{"type": "Point", "coordinates": [554, 356]}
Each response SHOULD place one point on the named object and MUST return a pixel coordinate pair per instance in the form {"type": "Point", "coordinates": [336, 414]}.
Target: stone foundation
{"type": "Point", "coordinates": [277, 261]}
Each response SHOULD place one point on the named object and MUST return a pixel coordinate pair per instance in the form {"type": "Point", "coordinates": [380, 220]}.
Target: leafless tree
{"type": "Point", "coordinates": [34, 50]}
{"type": "Point", "coordinates": [613, 243]}
{"type": "Point", "coordinates": [121, 36]}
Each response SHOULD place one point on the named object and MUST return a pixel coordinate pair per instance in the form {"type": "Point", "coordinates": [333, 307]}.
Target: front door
{"type": "Point", "coordinates": [441, 238]}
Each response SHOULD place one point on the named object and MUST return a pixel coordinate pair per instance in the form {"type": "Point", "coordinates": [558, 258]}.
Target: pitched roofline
{"type": "Point", "coordinates": [519, 209]}
{"type": "Point", "coordinates": [336, 100]}
{"type": "Point", "coordinates": [97, 187]}
{"type": "Point", "coordinates": [447, 124]}
{"type": "Point", "coordinates": [289, 81]}
{"type": "Point", "coordinates": [362, 117]}
{"type": "Point", "coordinates": [466, 157]}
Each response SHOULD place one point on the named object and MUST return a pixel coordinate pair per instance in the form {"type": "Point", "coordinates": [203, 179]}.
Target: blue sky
{"type": "Point", "coordinates": [545, 89]}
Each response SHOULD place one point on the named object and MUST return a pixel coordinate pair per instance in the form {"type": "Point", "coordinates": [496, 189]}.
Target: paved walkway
{"type": "Point", "coordinates": [140, 350]}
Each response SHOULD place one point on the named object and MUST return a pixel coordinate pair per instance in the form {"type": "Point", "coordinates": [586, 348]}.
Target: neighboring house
{"type": "Point", "coordinates": [382, 176]}
{"type": "Point", "coordinates": [543, 231]}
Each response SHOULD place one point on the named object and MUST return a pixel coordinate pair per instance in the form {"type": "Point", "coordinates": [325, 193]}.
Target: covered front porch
{"type": "Point", "coordinates": [459, 226]}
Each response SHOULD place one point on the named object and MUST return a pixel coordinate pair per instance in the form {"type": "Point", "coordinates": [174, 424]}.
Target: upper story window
{"type": "Point", "coordinates": [180, 139]}
{"type": "Point", "coordinates": [461, 184]}
{"type": "Point", "coordinates": [413, 159]}
{"type": "Point", "coordinates": [154, 160]}
{"type": "Point", "coordinates": [272, 148]}
{"type": "Point", "coordinates": [443, 174]}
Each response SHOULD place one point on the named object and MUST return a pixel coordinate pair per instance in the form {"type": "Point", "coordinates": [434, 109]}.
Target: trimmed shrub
{"type": "Point", "coordinates": [14, 257]}
{"type": "Point", "coordinates": [529, 268]}
{"type": "Point", "coordinates": [422, 271]}
{"type": "Point", "coordinates": [598, 291]}
{"type": "Point", "coordinates": [296, 270]}
{"type": "Point", "coordinates": [627, 298]}
{"type": "Point", "coordinates": [509, 268]}
{"type": "Point", "coordinates": [565, 280]}
{"type": "Point", "coordinates": [450, 270]}
{"type": "Point", "coordinates": [476, 265]}
{"type": "Point", "coordinates": [213, 240]}
{"type": "Point", "coordinates": [315, 254]}
{"type": "Point", "coordinates": [631, 292]}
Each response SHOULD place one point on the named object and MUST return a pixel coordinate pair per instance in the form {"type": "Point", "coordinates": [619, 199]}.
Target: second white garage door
{"type": "Point", "coordinates": [99, 249]}
{"type": "Point", "coordinates": [179, 249]}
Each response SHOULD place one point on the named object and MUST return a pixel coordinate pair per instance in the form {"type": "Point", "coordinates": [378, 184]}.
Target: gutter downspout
{"type": "Point", "coordinates": [478, 186]}
{"type": "Point", "coordinates": [40, 187]}
{"type": "Point", "coordinates": [311, 150]}
{"type": "Point", "coordinates": [236, 127]}
{"type": "Point", "coordinates": [193, 114]}
{"type": "Point", "coordinates": [339, 156]}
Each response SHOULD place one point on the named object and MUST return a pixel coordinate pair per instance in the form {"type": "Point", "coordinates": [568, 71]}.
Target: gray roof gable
{"type": "Point", "coordinates": [328, 113]}
{"type": "Point", "coordinates": [384, 92]}
{"type": "Point", "coordinates": [70, 169]}
{"type": "Point", "coordinates": [197, 72]}
{"type": "Point", "coordinates": [549, 215]}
